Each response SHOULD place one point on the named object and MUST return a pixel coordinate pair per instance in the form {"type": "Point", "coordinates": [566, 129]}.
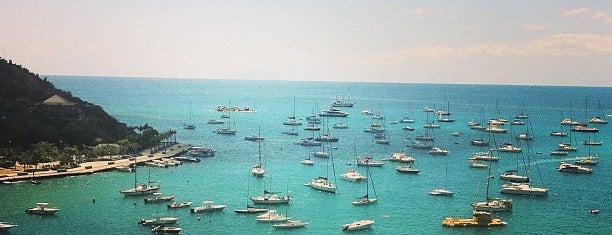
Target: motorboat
{"type": "Point", "coordinates": [207, 206]}
{"type": "Point", "coordinates": [479, 219]}
{"type": "Point", "coordinates": [559, 153]}
{"type": "Point", "coordinates": [352, 175]}
{"type": "Point", "coordinates": [187, 159]}
{"type": "Point", "coordinates": [407, 169]}
{"type": "Point", "coordinates": [339, 125]}
{"type": "Point", "coordinates": [517, 122]}
{"type": "Point", "coordinates": [158, 221]}
{"type": "Point", "coordinates": [401, 157]}
{"type": "Point", "coordinates": [494, 128]}
{"type": "Point", "coordinates": [509, 148]}
{"type": "Point", "coordinates": [290, 132]}
{"type": "Point", "coordinates": [408, 128]}
{"type": "Point", "coordinates": [366, 112]}
{"type": "Point", "coordinates": [567, 147]}
{"type": "Point", "coordinates": [42, 208]}
{"type": "Point", "coordinates": [215, 121]}
{"type": "Point", "coordinates": [288, 224]}
{"type": "Point", "coordinates": [438, 151]}
{"type": "Point", "coordinates": [158, 198]}
{"type": "Point", "coordinates": [523, 189]}
{"type": "Point", "coordinates": [178, 205]}
{"type": "Point", "coordinates": [368, 161]}
{"type": "Point", "coordinates": [333, 112]}
{"type": "Point", "coordinates": [6, 226]}
{"type": "Point", "coordinates": [513, 176]}
{"type": "Point", "coordinates": [358, 225]}
{"type": "Point", "coordinates": [558, 133]}
{"type": "Point", "coordinates": [477, 164]}
{"type": "Point", "coordinates": [313, 119]}
{"type": "Point", "coordinates": [126, 168]}
{"type": "Point", "coordinates": [592, 142]}
{"type": "Point", "coordinates": [406, 120]}
{"type": "Point", "coordinates": [292, 121]}
{"type": "Point", "coordinates": [341, 103]}
{"type": "Point", "coordinates": [441, 192]}
{"type": "Point", "coordinates": [569, 122]}
{"type": "Point", "coordinates": [198, 151]}
{"type": "Point", "coordinates": [598, 120]}
{"type": "Point", "coordinates": [326, 138]}
{"type": "Point", "coordinates": [225, 131]}
{"type": "Point", "coordinates": [479, 142]}
{"type": "Point", "coordinates": [255, 138]}
{"type": "Point", "coordinates": [312, 127]}
{"type": "Point", "coordinates": [431, 125]}
{"type": "Point", "coordinates": [574, 169]}
{"type": "Point", "coordinates": [309, 142]}
{"type": "Point", "coordinates": [589, 160]}
{"type": "Point", "coordinates": [166, 229]}
{"type": "Point", "coordinates": [524, 136]}
{"type": "Point", "coordinates": [271, 216]}
{"type": "Point", "coordinates": [308, 162]}
{"type": "Point", "coordinates": [484, 156]}
{"type": "Point", "coordinates": [322, 184]}
{"type": "Point", "coordinates": [584, 128]}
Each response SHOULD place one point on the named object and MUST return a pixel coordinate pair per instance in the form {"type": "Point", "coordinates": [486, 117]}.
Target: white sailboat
{"type": "Point", "coordinates": [292, 120]}
{"type": "Point", "coordinates": [492, 204]}
{"type": "Point", "coordinates": [144, 189]}
{"type": "Point", "coordinates": [367, 199]}
{"type": "Point", "coordinates": [227, 130]}
{"type": "Point", "coordinates": [524, 188]}
{"type": "Point", "coordinates": [323, 183]}
{"type": "Point", "coordinates": [189, 126]}
{"type": "Point", "coordinates": [258, 170]}
{"type": "Point", "coordinates": [443, 191]}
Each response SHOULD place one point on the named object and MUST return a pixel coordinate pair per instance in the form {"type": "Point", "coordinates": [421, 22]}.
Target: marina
{"type": "Point", "coordinates": [226, 177]}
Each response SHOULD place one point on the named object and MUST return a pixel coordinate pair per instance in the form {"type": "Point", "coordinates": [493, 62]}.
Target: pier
{"type": "Point", "coordinates": [97, 166]}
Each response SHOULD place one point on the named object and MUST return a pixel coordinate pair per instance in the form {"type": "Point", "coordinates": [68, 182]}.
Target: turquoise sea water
{"type": "Point", "coordinates": [404, 206]}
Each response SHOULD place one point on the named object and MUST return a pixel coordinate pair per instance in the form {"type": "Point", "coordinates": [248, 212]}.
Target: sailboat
{"type": "Point", "coordinates": [352, 174]}
{"type": "Point", "coordinates": [524, 188]}
{"type": "Point", "coordinates": [144, 189]}
{"type": "Point", "coordinates": [443, 191]}
{"type": "Point", "coordinates": [366, 200]}
{"type": "Point", "coordinates": [323, 183]}
{"type": "Point", "coordinates": [270, 197]}
{"type": "Point", "coordinates": [291, 120]}
{"type": "Point", "coordinates": [445, 116]}
{"type": "Point", "coordinates": [249, 208]}
{"type": "Point", "coordinates": [492, 204]}
{"type": "Point", "coordinates": [258, 169]}
{"type": "Point", "coordinates": [189, 126]}
{"type": "Point", "coordinates": [227, 130]}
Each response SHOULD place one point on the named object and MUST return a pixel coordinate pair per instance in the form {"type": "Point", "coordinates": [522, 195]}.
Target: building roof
{"type": "Point", "coordinates": [57, 100]}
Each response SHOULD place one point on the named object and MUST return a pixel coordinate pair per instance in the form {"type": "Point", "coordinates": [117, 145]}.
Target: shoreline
{"type": "Point", "coordinates": [87, 168]}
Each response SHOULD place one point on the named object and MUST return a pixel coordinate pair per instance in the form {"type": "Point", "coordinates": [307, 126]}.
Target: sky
{"type": "Point", "coordinates": [462, 42]}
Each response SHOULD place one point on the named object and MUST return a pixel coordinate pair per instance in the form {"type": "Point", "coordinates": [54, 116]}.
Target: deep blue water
{"type": "Point", "coordinates": [404, 206]}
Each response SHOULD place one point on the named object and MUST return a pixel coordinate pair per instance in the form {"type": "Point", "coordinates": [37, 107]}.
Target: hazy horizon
{"type": "Point", "coordinates": [558, 43]}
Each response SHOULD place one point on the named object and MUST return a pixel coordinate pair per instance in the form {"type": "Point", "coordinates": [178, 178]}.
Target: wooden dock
{"type": "Point", "coordinates": [98, 166]}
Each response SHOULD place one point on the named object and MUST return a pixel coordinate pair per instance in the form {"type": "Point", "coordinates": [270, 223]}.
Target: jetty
{"type": "Point", "coordinates": [86, 168]}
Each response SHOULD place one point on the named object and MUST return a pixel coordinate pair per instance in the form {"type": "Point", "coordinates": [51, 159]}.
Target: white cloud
{"type": "Point", "coordinates": [553, 45]}
{"type": "Point", "coordinates": [575, 12]}
{"type": "Point", "coordinates": [534, 27]}
{"type": "Point", "coordinates": [603, 15]}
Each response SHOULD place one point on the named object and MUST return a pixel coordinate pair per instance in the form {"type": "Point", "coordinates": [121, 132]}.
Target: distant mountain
{"type": "Point", "coordinates": [33, 110]}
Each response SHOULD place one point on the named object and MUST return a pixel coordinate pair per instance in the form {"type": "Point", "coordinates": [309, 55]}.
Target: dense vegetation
{"type": "Point", "coordinates": [32, 131]}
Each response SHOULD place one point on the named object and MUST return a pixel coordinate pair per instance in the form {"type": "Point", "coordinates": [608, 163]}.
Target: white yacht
{"type": "Point", "coordinates": [484, 156]}
{"type": "Point", "coordinates": [290, 224]}
{"type": "Point", "coordinates": [401, 157]}
{"type": "Point", "coordinates": [441, 192]}
{"type": "Point", "coordinates": [574, 169]}
{"type": "Point", "coordinates": [308, 162]}
{"type": "Point", "coordinates": [339, 125]}
{"type": "Point", "coordinates": [158, 221]}
{"type": "Point", "coordinates": [438, 151]}
{"type": "Point", "coordinates": [358, 225]}
{"type": "Point", "coordinates": [207, 206]}
{"type": "Point", "coordinates": [509, 148]}
{"type": "Point", "coordinates": [523, 189]}
{"type": "Point", "coordinates": [322, 184]}
{"type": "Point", "coordinates": [271, 216]}
{"type": "Point", "coordinates": [6, 226]}
{"type": "Point", "coordinates": [352, 175]}
{"type": "Point", "coordinates": [407, 169]}
{"type": "Point", "coordinates": [368, 161]}
{"type": "Point", "coordinates": [513, 176]}
{"type": "Point", "coordinates": [292, 121]}
{"type": "Point", "coordinates": [42, 208]}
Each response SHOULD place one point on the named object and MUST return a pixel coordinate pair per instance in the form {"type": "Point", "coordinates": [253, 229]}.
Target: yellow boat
{"type": "Point", "coordinates": [480, 219]}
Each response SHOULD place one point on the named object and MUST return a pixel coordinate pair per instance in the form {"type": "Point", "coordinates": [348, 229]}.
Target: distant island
{"type": "Point", "coordinates": [40, 123]}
